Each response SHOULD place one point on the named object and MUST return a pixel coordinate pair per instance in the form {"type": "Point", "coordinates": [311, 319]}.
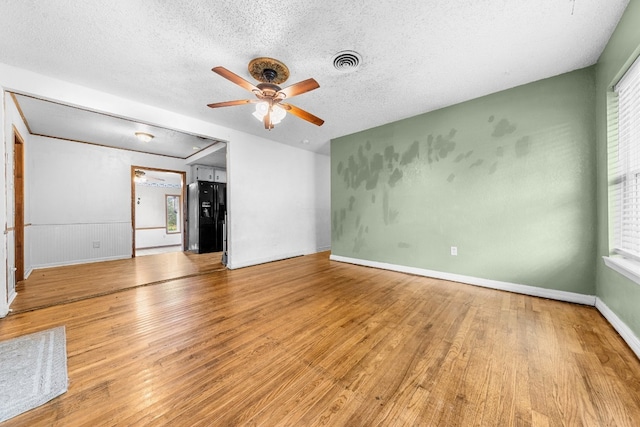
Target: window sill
{"type": "Point", "coordinates": [628, 268]}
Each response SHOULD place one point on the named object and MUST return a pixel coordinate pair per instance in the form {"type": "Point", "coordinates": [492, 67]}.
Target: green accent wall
{"type": "Point", "coordinates": [509, 179]}
{"type": "Point", "coordinates": [621, 295]}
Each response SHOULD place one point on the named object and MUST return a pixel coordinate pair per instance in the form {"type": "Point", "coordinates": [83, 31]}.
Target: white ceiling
{"type": "Point", "coordinates": [61, 121]}
{"type": "Point", "coordinates": [418, 55]}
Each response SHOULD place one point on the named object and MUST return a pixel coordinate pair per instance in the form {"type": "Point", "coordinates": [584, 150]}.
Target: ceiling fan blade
{"type": "Point", "coordinates": [233, 77]}
{"type": "Point", "coordinates": [304, 115]}
{"type": "Point", "coordinates": [232, 103]}
{"type": "Point", "coordinates": [300, 88]}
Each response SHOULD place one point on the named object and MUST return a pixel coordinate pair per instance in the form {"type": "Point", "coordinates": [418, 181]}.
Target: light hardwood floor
{"type": "Point", "coordinates": [57, 285]}
{"type": "Point", "coordinates": [308, 341]}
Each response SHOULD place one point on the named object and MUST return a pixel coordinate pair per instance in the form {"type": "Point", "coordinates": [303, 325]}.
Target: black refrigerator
{"type": "Point", "coordinates": [207, 208]}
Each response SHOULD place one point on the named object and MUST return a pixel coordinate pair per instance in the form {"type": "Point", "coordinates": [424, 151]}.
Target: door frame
{"type": "Point", "coordinates": [18, 204]}
{"type": "Point", "coordinates": [183, 177]}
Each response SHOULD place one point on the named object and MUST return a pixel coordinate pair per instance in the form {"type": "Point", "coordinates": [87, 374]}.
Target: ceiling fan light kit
{"type": "Point", "coordinates": [140, 176]}
{"type": "Point", "coordinates": [269, 96]}
{"type": "Point", "coordinates": [277, 112]}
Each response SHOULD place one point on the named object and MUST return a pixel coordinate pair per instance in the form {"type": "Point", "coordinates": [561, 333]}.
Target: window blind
{"type": "Point", "coordinates": [624, 124]}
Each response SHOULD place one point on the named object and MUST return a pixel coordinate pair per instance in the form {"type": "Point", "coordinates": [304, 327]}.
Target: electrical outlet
{"type": "Point", "coordinates": [454, 250]}
{"type": "Point", "coordinates": [96, 245]}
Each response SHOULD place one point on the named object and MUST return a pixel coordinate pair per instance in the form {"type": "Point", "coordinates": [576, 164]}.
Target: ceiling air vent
{"type": "Point", "coordinates": [347, 61]}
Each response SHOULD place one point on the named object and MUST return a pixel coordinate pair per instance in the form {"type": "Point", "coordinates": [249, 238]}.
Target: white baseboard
{"type": "Point", "coordinates": [235, 265]}
{"type": "Point", "coordinates": [486, 283]}
{"type": "Point", "coordinates": [158, 247]}
{"type": "Point", "coordinates": [625, 332]}
{"type": "Point", "coordinates": [81, 261]}
{"type": "Point", "coordinates": [4, 310]}
{"type": "Point", "coordinates": [12, 297]}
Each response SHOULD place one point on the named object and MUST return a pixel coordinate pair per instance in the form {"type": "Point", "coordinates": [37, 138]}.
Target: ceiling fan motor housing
{"type": "Point", "coordinates": [269, 75]}
{"type": "Point", "coordinates": [269, 91]}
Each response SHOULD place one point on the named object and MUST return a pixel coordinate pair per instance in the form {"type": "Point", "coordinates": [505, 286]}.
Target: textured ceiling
{"type": "Point", "coordinates": [418, 55]}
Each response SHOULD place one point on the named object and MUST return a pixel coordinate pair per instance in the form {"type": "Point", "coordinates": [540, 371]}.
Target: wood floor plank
{"type": "Point", "coordinates": [50, 286]}
{"type": "Point", "coordinates": [308, 341]}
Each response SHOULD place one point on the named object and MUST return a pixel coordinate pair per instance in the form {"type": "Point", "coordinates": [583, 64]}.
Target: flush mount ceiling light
{"type": "Point", "coordinates": [144, 137]}
{"type": "Point", "coordinates": [270, 108]}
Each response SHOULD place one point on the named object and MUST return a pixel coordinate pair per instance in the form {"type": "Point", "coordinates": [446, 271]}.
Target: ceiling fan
{"type": "Point", "coordinates": [141, 176]}
{"type": "Point", "coordinates": [269, 96]}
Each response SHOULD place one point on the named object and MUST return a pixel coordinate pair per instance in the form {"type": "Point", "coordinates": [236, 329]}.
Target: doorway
{"type": "Point", "coordinates": [157, 210]}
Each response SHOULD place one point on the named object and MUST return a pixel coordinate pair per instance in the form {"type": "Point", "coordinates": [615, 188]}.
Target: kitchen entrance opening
{"type": "Point", "coordinates": [158, 209]}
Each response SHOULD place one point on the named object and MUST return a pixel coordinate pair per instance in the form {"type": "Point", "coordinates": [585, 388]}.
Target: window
{"type": "Point", "coordinates": [173, 214]}
{"type": "Point", "coordinates": [624, 172]}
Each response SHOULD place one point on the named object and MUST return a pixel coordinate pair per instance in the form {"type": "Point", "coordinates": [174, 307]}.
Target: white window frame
{"type": "Point", "coordinates": [172, 203]}
{"type": "Point", "coordinates": [623, 123]}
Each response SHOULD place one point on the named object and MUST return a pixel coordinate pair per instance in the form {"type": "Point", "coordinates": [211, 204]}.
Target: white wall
{"type": "Point", "coordinates": [278, 202]}
{"type": "Point", "coordinates": [4, 303]}
{"type": "Point", "coordinates": [81, 194]}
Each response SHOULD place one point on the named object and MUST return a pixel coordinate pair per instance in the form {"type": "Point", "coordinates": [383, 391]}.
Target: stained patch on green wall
{"type": "Point", "coordinates": [506, 178]}
{"type": "Point", "coordinates": [503, 128]}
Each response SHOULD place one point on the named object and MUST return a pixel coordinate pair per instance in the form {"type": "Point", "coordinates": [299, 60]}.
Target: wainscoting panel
{"type": "Point", "coordinates": [28, 265]}
{"type": "Point", "coordinates": [156, 237]}
{"type": "Point", "coordinates": [65, 244]}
